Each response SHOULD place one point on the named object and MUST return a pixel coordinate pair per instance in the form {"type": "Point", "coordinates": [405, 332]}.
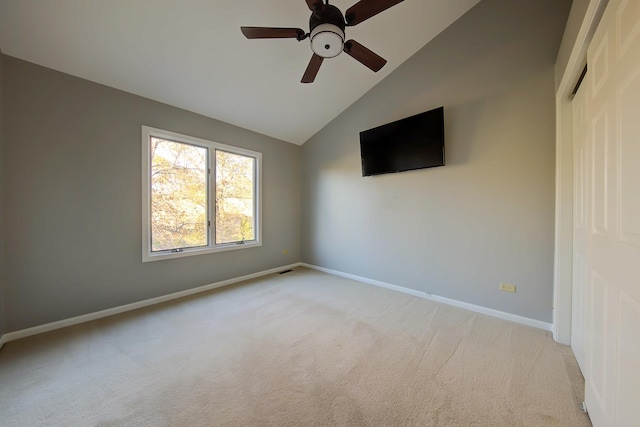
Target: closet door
{"type": "Point", "coordinates": [612, 244]}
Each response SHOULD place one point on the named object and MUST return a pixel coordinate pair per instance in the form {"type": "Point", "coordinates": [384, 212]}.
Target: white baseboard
{"type": "Point", "coordinates": [12, 336]}
{"type": "Point", "coordinates": [472, 307]}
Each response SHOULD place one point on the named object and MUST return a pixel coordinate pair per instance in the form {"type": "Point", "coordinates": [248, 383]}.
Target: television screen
{"type": "Point", "coordinates": [416, 142]}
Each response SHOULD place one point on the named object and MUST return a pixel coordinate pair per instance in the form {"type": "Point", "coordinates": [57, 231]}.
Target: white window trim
{"type": "Point", "coordinates": [147, 255]}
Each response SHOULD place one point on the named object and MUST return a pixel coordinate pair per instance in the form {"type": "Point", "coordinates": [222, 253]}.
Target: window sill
{"type": "Point", "coordinates": [148, 257]}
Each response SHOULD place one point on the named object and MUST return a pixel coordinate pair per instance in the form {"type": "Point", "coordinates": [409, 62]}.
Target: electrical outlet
{"type": "Point", "coordinates": [285, 252]}
{"type": "Point", "coordinates": [507, 287]}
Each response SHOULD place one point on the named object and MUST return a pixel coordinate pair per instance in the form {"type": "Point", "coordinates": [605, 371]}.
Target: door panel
{"type": "Point", "coordinates": [628, 351]}
{"type": "Point", "coordinates": [600, 171]}
{"type": "Point", "coordinates": [598, 340]}
{"type": "Point", "coordinates": [629, 148]}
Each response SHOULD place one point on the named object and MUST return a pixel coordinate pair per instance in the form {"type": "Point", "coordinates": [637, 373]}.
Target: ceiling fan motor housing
{"type": "Point", "coordinates": [327, 31]}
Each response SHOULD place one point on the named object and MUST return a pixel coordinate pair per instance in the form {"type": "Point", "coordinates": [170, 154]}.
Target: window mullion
{"type": "Point", "coordinates": [256, 195]}
{"type": "Point", "coordinates": [212, 197]}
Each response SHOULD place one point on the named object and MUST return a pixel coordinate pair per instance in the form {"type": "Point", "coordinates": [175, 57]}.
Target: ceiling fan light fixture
{"type": "Point", "coordinates": [327, 40]}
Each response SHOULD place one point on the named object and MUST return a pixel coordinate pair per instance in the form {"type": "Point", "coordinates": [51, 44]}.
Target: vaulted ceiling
{"type": "Point", "coordinates": [191, 53]}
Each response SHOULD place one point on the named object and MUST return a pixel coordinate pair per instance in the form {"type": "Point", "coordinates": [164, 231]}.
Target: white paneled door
{"type": "Point", "coordinates": [607, 199]}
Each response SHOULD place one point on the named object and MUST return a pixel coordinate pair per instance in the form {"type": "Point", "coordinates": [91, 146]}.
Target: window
{"type": "Point", "coordinates": [198, 196]}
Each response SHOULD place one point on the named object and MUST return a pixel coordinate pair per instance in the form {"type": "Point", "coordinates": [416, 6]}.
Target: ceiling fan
{"type": "Point", "coordinates": [327, 33]}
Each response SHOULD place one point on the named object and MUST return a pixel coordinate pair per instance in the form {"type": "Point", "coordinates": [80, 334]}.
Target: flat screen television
{"type": "Point", "coordinates": [415, 142]}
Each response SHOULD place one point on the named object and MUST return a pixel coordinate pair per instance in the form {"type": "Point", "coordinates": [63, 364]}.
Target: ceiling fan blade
{"type": "Point", "coordinates": [365, 9]}
{"type": "Point", "coordinates": [272, 33]}
{"type": "Point", "coordinates": [312, 69]}
{"type": "Point", "coordinates": [315, 5]}
{"type": "Point", "coordinates": [364, 55]}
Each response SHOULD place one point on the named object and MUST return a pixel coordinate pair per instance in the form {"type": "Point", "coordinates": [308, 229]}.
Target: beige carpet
{"type": "Point", "coordinates": [303, 348]}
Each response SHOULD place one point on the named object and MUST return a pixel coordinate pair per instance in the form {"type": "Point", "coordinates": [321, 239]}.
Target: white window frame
{"type": "Point", "coordinates": [147, 254]}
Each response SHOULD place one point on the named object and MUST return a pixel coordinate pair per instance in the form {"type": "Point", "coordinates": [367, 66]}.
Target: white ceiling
{"type": "Point", "coordinates": [191, 53]}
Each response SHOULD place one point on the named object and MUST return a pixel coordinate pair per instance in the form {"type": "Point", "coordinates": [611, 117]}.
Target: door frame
{"type": "Point", "coordinates": [563, 257]}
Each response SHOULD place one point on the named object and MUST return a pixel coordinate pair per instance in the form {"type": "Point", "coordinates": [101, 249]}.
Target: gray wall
{"type": "Point", "coordinates": [487, 217]}
{"type": "Point", "coordinates": [72, 202]}
{"type": "Point", "coordinates": [3, 323]}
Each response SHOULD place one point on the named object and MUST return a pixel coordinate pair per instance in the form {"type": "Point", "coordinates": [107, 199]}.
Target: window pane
{"type": "Point", "coordinates": [235, 216]}
{"type": "Point", "coordinates": [178, 195]}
